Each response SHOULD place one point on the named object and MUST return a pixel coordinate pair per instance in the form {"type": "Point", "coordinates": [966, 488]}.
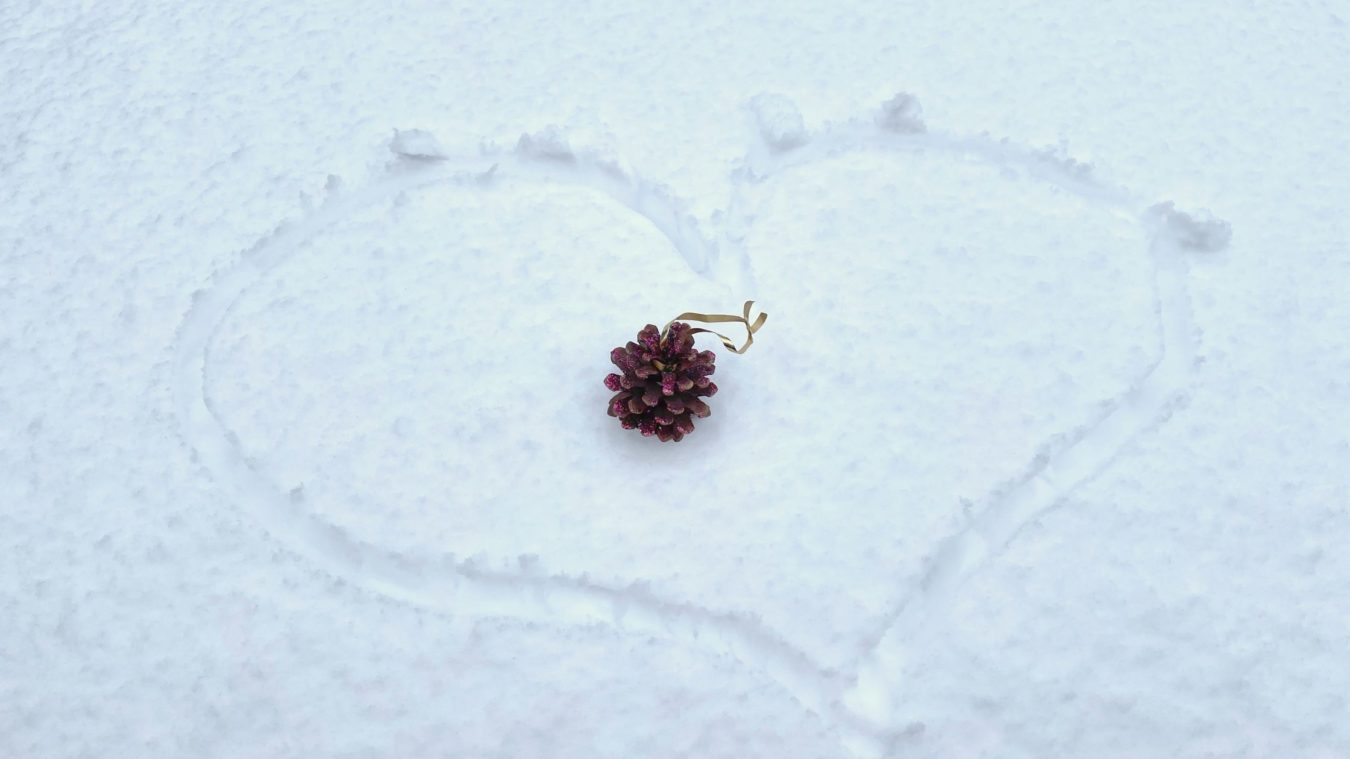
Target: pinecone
{"type": "Point", "coordinates": [662, 381]}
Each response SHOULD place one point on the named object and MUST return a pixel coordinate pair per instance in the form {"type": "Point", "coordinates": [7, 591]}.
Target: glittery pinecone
{"type": "Point", "coordinates": [659, 392]}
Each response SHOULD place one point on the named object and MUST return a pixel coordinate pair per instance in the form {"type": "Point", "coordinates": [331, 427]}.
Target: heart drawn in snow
{"type": "Point", "coordinates": [405, 386]}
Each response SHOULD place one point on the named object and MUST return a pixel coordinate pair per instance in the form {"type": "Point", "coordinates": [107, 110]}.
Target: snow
{"type": "Point", "coordinates": [1042, 451]}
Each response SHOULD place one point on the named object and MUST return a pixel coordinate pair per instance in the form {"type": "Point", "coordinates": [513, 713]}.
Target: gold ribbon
{"type": "Point", "coordinates": [751, 328]}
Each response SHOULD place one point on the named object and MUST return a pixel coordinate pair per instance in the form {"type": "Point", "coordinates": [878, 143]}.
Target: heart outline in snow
{"type": "Point", "coordinates": [858, 700]}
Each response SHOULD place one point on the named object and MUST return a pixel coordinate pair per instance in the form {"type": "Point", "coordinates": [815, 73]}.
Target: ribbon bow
{"type": "Point", "coordinates": [750, 327]}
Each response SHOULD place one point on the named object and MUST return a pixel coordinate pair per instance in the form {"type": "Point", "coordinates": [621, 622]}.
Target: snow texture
{"type": "Point", "coordinates": [1042, 452]}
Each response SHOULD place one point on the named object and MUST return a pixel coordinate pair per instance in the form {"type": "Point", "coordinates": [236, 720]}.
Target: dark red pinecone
{"type": "Point", "coordinates": [659, 392]}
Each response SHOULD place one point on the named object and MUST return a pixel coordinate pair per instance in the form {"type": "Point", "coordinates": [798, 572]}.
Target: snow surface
{"type": "Point", "coordinates": [1044, 450]}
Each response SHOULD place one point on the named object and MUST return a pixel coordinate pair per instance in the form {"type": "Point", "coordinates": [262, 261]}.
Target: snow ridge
{"type": "Point", "coordinates": [861, 703]}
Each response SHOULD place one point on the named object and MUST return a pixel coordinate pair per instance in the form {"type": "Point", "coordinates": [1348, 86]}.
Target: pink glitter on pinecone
{"type": "Point", "coordinates": [660, 389]}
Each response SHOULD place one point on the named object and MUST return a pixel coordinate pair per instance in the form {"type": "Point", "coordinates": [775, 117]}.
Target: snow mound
{"type": "Point", "coordinates": [1197, 230]}
{"type": "Point", "coordinates": [779, 123]}
{"type": "Point", "coordinates": [901, 114]}
{"type": "Point", "coordinates": [416, 143]}
{"type": "Point", "coordinates": [548, 143]}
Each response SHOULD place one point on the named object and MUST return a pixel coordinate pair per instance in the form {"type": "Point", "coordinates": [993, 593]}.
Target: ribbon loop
{"type": "Point", "coordinates": [750, 327]}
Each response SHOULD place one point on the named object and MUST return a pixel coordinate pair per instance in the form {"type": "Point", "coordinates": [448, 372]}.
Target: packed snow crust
{"type": "Point", "coordinates": [1043, 450]}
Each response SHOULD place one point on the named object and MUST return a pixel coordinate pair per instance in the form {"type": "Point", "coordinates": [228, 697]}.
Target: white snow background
{"type": "Point", "coordinates": [1044, 450]}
